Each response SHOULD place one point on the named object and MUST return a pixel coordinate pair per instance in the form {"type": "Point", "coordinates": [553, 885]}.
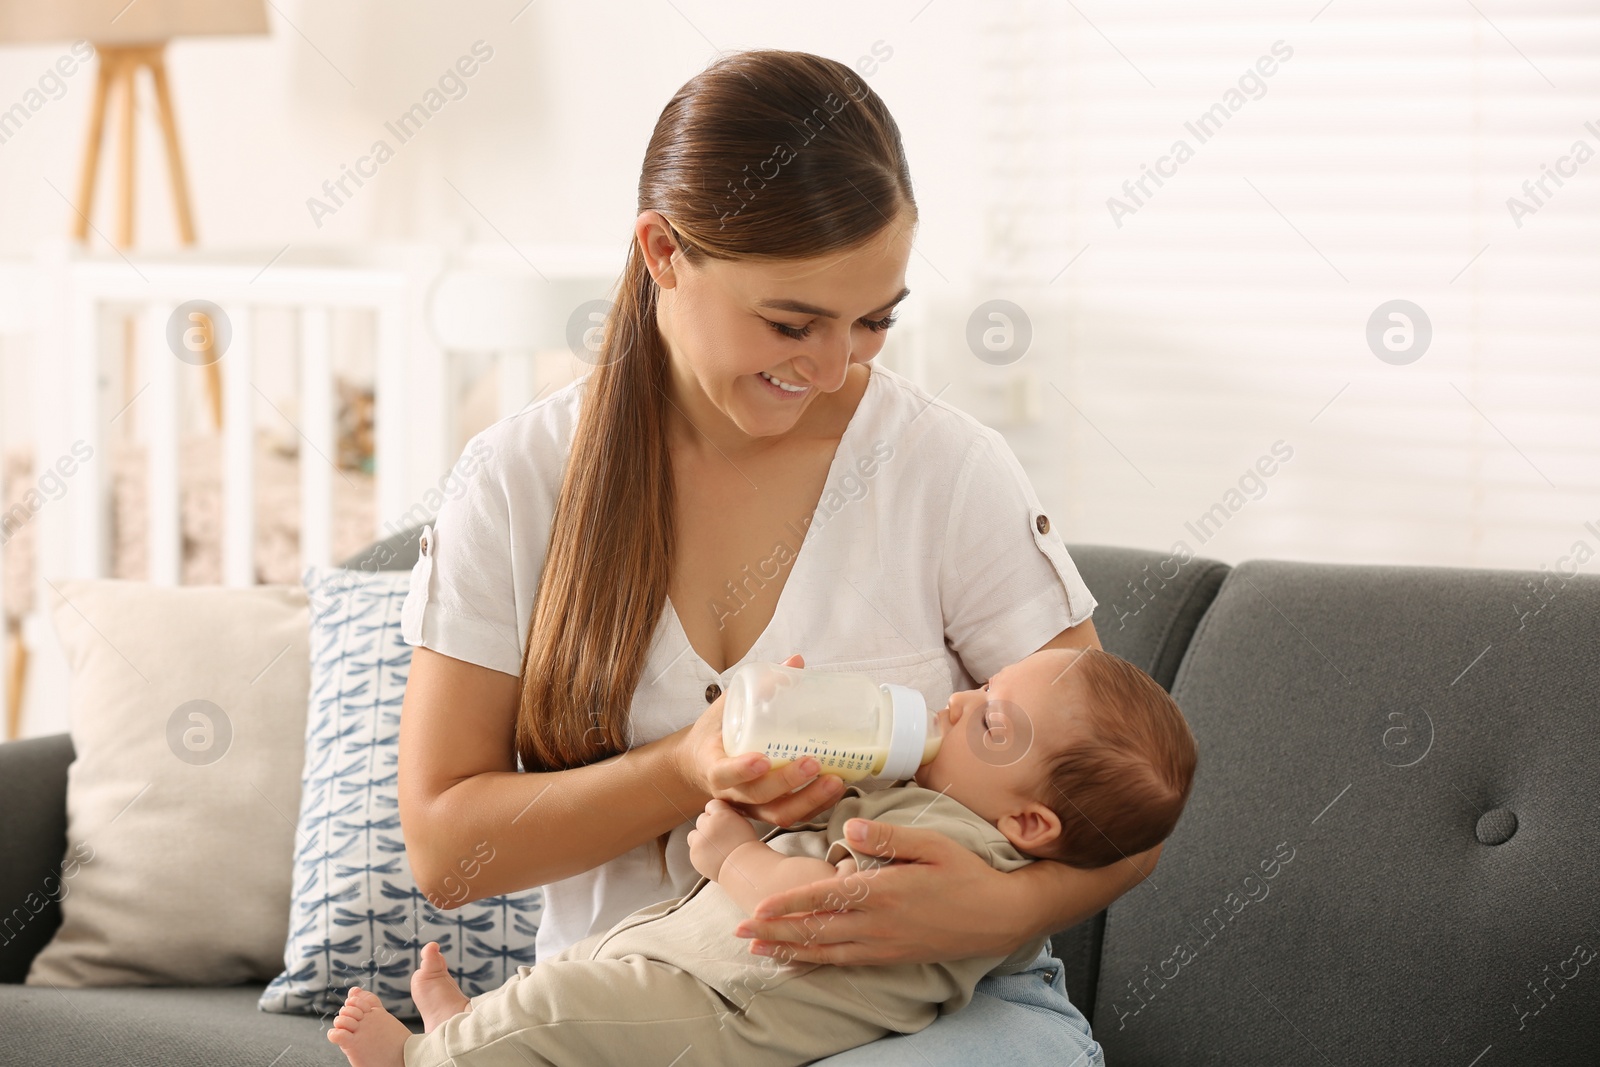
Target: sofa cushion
{"type": "Point", "coordinates": [1388, 854]}
{"type": "Point", "coordinates": [159, 1026]}
{"type": "Point", "coordinates": [358, 916]}
{"type": "Point", "coordinates": [397, 552]}
{"type": "Point", "coordinates": [1149, 604]}
{"type": "Point", "coordinates": [187, 706]}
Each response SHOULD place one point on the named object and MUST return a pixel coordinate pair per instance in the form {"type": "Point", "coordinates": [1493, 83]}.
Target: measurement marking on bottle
{"type": "Point", "coordinates": [828, 757]}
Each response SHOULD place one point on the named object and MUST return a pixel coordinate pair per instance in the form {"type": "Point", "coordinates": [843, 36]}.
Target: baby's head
{"type": "Point", "coordinates": [1074, 754]}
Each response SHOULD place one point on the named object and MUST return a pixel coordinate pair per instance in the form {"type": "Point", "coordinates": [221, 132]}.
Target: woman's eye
{"type": "Point", "coordinates": [796, 332]}
{"type": "Point", "coordinates": [800, 333]}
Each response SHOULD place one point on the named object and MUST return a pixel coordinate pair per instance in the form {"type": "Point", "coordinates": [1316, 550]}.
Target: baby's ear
{"type": "Point", "coordinates": [1031, 828]}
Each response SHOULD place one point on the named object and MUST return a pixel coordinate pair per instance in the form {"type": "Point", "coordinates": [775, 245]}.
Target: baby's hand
{"type": "Point", "coordinates": [715, 835]}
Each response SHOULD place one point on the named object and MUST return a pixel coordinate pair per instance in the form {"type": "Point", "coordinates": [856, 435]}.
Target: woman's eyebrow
{"type": "Point", "coordinates": [811, 309]}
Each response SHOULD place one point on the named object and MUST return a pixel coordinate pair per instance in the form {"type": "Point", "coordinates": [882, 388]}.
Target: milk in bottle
{"type": "Point", "coordinates": [855, 728]}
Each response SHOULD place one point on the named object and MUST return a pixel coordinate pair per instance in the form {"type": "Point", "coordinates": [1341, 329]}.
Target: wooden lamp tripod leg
{"type": "Point", "coordinates": [91, 152]}
{"type": "Point", "coordinates": [169, 130]}
{"type": "Point", "coordinates": [16, 679]}
{"type": "Point", "coordinates": [125, 169]}
{"type": "Point", "coordinates": [180, 199]}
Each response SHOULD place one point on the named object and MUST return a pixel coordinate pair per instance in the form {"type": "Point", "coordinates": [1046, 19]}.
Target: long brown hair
{"type": "Point", "coordinates": [765, 154]}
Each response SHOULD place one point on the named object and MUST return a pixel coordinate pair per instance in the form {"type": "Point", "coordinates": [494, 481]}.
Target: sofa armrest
{"type": "Point", "coordinates": [33, 842]}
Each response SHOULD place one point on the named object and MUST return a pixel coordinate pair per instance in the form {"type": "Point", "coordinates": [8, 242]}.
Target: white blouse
{"type": "Point", "coordinates": [928, 562]}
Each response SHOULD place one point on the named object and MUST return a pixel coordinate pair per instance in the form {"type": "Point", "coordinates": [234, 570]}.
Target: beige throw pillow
{"type": "Point", "coordinates": [187, 709]}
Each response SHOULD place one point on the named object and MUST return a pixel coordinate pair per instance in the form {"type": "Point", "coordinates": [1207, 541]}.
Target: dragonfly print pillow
{"type": "Point", "coordinates": [357, 917]}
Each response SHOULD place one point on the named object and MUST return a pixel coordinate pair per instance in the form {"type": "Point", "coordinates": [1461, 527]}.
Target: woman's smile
{"type": "Point", "coordinates": [777, 387]}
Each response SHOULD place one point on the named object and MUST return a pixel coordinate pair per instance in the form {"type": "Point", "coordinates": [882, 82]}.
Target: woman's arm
{"type": "Point", "coordinates": [894, 918]}
{"type": "Point", "coordinates": [476, 827]}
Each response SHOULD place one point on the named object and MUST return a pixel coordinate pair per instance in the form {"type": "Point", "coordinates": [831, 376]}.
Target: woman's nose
{"type": "Point", "coordinates": [831, 374]}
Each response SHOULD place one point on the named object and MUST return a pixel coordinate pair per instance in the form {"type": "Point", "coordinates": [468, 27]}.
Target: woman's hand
{"type": "Point", "coordinates": [899, 913]}
{"type": "Point", "coordinates": [749, 782]}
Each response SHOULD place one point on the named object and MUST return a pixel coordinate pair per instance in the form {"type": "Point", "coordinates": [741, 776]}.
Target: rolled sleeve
{"type": "Point", "coordinates": [1006, 581]}
{"type": "Point", "coordinates": [461, 601]}
{"type": "Point", "coordinates": [923, 809]}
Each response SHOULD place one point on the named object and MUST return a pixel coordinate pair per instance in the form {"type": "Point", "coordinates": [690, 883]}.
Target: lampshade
{"type": "Point", "coordinates": [119, 22]}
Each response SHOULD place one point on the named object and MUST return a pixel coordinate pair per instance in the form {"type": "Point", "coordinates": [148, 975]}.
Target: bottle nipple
{"type": "Point", "coordinates": [936, 726]}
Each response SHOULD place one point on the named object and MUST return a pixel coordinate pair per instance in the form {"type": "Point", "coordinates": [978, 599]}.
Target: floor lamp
{"type": "Point", "coordinates": [126, 36]}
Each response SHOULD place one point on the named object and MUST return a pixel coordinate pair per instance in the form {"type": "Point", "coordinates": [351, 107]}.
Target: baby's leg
{"type": "Point", "coordinates": [433, 990]}
{"type": "Point", "coordinates": [632, 1010]}
{"type": "Point", "coordinates": [371, 1037]}
{"type": "Point", "coordinates": [367, 1034]}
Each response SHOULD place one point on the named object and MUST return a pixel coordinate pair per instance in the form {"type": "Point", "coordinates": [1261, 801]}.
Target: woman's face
{"type": "Point", "coordinates": [728, 323]}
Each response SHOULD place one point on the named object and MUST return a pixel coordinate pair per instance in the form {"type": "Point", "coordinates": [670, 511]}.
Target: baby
{"type": "Point", "coordinates": [1069, 754]}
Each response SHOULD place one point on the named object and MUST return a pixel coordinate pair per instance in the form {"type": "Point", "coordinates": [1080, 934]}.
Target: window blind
{"type": "Point", "coordinates": [1207, 212]}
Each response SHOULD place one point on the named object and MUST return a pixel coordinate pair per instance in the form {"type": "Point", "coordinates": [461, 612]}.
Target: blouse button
{"type": "Point", "coordinates": [1043, 523]}
{"type": "Point", "coordinates": [713, 691]}
{"type": "Point", "coordinates": [422, 543]}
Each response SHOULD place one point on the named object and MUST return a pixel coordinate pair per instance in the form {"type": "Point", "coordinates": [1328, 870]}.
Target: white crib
{"type": "Point", "coordinates": [434, 315]}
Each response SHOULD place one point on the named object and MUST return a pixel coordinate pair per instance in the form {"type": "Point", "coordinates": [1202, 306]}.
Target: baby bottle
{"type": "Point", "coordinates": [855, 728]}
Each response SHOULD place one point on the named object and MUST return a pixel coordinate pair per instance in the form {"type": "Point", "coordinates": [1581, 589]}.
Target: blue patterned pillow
{"type": "Point", "coordinates": [357, 917]}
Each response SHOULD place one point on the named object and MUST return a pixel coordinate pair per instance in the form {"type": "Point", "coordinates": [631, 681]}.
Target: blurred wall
{"type": "Point", "coordinates": [543, 143]}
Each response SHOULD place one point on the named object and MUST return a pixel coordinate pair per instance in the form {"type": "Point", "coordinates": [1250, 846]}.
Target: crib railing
{"type": "Point", "coordinates": [84, 293]}
{"type": "Point", "coordinates": [82, 302]}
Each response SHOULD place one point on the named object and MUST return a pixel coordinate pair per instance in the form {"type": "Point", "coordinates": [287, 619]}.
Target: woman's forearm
{"type": "Point", "coordinates": [504, 831]}
{"type": "Point", "coordinates": [1057, 896]}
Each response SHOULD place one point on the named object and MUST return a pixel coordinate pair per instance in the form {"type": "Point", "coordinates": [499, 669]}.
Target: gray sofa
{"type": "Point", "coordinates": [1383, 860]}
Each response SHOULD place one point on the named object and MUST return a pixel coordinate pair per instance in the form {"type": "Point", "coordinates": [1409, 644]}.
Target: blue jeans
{"type": "Point", "coordinates": [1023, 1018]}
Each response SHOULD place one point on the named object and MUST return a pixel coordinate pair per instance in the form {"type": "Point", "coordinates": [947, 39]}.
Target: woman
{"type": "Point", "coordinates": [631, 540]}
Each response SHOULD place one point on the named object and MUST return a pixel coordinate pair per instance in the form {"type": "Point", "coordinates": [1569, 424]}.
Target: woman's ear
{"type": "Point", "coordinates": [1031, 828]}
{"type": "Point", "coordinates": [656, 242]}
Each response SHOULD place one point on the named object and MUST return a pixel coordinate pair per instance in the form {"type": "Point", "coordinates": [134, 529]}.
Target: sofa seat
{"type": "Point", "coordinates": [158, 1026]}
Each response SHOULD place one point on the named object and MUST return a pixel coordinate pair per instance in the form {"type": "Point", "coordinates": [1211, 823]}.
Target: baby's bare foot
{"type": "Point", "coordinates": [436, 994]}
{"type": "Point", "coordinates": [369, 1035]}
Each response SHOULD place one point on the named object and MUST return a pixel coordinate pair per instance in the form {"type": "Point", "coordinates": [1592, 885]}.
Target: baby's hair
{"type": "Point", "coordinates": [1121, 786]}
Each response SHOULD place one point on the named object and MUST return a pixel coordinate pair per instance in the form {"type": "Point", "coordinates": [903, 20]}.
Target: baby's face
{"type": "Point", "coordinates": [998, 738]}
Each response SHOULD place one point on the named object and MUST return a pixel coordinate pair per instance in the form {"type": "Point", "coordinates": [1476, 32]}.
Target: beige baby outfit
{"type": "Point", "coordinates": [672, 984]}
